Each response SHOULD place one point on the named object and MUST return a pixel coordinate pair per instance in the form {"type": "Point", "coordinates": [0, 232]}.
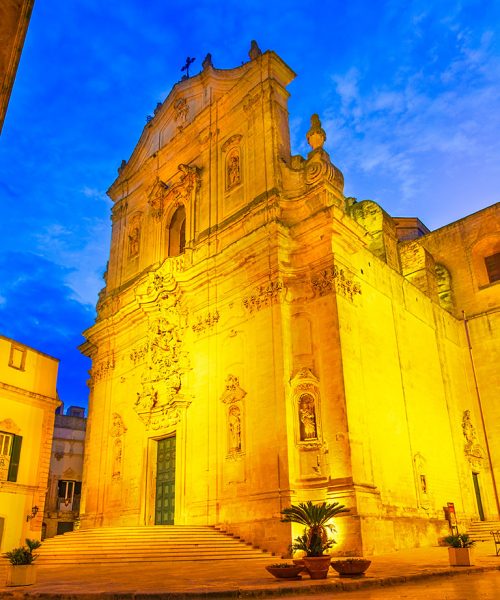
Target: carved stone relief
{"type": "Point", "coordinates": [473, 451]}
{"type": "Point", "coordinates": [188, 181]}
{"type": "Point", "coordinates": [156, 198]}
{"type": "Point", "coordinates": [206, 322]}
{"type": "Point", "coordinates": [134, 236]}
{"type": "Point", "coordinates": [251, 101]}
{"type": "Point", "coordinates": [10, 426]}
{"type": "Point", "coordinates": [333, 278]}
{"type": "Point", "coordinates": [233, 397]}
{"type": "Point", "coordinates": [101, 369]}
{"type": "Point", "coordinates": [233, 168]}
{"type": "Point", "coordinates": [181, 111]}
{"type": "Point", "coordinates": [161, 398]}
{"type": "Point", "coordinates": [264, 295]}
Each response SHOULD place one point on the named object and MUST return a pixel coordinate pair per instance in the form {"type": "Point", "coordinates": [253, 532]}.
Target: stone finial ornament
{"type": "Point", "coordinates": [254, 51]}
{"type": "Point", "coordinates": [207, 62]}
{"type": "Point", "coordinates": [316, 135]}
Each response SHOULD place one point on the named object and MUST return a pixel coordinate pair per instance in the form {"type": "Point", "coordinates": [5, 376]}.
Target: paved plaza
{"type": "Point", "coordinates": [403, 573]}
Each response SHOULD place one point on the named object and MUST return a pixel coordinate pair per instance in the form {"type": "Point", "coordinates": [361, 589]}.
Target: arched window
{"type": "Point", "coordinates": [177, 232]}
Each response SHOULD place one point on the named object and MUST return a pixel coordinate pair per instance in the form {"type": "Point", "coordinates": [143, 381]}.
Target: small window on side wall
{"type": "Point", "coordinates": [177, 232]}
{"type": "Point", "coordinates": [492, 264]}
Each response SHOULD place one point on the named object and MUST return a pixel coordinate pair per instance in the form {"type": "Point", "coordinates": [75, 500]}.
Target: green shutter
{"type": "Point", "coordinates": [15, 454]}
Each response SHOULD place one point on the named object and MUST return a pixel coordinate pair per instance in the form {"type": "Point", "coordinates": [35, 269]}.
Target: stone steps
{"type": "Point", "coordinates": [479, 531]}
{"type": "Point", "coordinates": [152, 544]}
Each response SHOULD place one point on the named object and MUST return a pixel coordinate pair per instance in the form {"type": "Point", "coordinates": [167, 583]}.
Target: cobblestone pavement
{"type": "Point", "coordinates": [482, 586]}
{"type": "Point", "coordinates": [402, 572]}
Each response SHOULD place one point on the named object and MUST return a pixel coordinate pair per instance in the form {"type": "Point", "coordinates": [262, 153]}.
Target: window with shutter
{"type": "Point", "coordinates": [493, 267]}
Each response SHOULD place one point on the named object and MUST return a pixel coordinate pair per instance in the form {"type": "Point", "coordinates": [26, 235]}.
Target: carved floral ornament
{"type": "Point", "coordinates": [161, 398]}
{"type": "Point", "coordinates": [306, 404]}
{"type": "Point", "coordinates": [335, 279]}
{"type": "Point", "coordinates": [205, 322]}
{"type": "Point", "coordinates": [101, 369]}
{"type": "Point", "coordinates": [233, 392]}
{"type": "Point", "coordinates": [264, 295]}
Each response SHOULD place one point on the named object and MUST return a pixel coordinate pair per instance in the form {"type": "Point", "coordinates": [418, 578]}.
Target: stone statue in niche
{"type": "Point", "coordinates": [234, 429]}
{"type": "Point", "coordinates": [233, 168]}
{"type": "Point", "coordinates": [307, 418]}
{"type": "Point", "coordinates": [468, 429]}
{"type": "Point", "coordinates": [133, 241]}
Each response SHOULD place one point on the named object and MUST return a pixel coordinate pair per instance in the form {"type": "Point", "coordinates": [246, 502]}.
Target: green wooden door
{"type": "Point", "coordinates": [165, 482]}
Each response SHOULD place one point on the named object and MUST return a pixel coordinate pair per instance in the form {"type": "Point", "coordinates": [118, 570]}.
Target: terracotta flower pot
{"type": "Point", "coordinates": [351, 568]}
{"type": "Point", "coordinates": [291, 572]}
{"type": "Point", "coordinates": [317, 566]}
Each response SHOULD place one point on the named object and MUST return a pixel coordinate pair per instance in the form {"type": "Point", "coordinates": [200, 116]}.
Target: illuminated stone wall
{"type": "Point", "coordinates": [293, 345]}
{"type": "Point", "coordinates": [28, 400]}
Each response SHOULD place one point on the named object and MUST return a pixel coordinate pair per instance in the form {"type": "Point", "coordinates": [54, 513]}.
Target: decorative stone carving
{"type": "Point", "coordinates": [207, 62]}
{"type": "Point", "coordinates": [233, 397]}
{"type": "Point", "coordinates": [134, 236]}
{"type": "Point", "coordinates": [332, 278]}
{"type": "Point", "coordinates": [263, 296]}
{"type": "Point", "coordinates": [233, 392]}
{"type": "Point", "coordinates": [316, 135]}
{"type": "Point", "coordinates": [254, 51]}
{"type": "Point", "coordinates": [306, 403]}
{"type": "Point", "coordinates": [157, 197]}
{"type": "Point", "coordinates": [233, 169]}
{"type": "Point", "coordinates": [101, 369]}
{"type": "Point", "coordinates": [160, 398]}
{"type": "Point", "coordinates": [307, 417]}
{"type": "Point", "coordinates": [206, 322]}
{"type": "Point", "coordinates": [474, 452]}
{"type": "Point", "coordinates": [138, 353]}
{"type": "Point", "coordinates": [116, 471]}
{"type": "Point", "coordinates": [234, 140]}
{"type": "Point", "coordinates": [117, 426]}
{"type": "Point", "coordinates": [181, 110]}
{"type": "Point", "coordinates": [234, 422]}
{"type": "Point", "coordinates": [250, 101]}
{"type": "Point", "coordinates": [188, 182]}
{"type": "Point", "coordinates": [318, 166]}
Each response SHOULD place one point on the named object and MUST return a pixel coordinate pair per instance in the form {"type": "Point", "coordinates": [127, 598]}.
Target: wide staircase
{"type": "Point", "coordinates": [145, 544]}
{"type": "Point", "coordinates": [479, 531]}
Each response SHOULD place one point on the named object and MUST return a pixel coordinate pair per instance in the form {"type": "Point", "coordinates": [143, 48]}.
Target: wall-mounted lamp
{"type": "Point", "coordinates": [34, 511]}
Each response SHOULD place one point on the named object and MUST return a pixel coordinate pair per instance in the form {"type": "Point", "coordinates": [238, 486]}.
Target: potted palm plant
{"type": "Point", "coordinates": [460, 551]}
{"type": "Point", "coordinates": [21, 570]}
{"type": "Point", "coordinates": [315, 540]}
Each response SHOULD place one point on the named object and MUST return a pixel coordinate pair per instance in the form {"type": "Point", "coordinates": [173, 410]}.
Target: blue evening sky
{"type": "Point", "coordinates": [408, 93]}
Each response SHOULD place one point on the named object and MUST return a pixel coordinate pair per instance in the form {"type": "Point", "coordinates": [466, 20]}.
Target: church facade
{"type": "Point", "coordinates": [262, 339]}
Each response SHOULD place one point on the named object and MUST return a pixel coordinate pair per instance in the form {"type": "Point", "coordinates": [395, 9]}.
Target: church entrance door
{"type": "Point", "coordinates": [165, 482]}
{"type": "Point", "coordinates": [475, 479]}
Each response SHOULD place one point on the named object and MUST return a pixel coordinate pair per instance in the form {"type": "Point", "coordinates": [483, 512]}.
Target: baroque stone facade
{"type": "Point", "coordinates": [262, 339]}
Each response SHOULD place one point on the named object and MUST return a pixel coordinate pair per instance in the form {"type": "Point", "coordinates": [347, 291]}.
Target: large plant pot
{"type": "Point", "coordinates": [461, 557]}
{"type": "Point", "coordinates": [317, 566]}
{"type": "Point", "coordinates": [21, 575]}
{"type": "Point", "coordinates": [351, 567]}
